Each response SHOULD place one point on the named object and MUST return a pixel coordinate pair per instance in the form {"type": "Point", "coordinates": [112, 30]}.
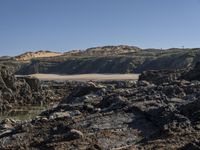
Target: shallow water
{"type": "Point", "coordinates": [23, 113]}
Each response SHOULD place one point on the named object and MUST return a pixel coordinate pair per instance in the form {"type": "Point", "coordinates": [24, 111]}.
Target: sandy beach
{"type": "Point", "coordinates": [86, 77]}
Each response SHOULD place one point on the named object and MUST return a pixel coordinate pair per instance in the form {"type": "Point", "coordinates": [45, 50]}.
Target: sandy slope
{"type": "Point", "coordinates": [86, 77]}
{"type": "Point", "coordinates": [40, 54]}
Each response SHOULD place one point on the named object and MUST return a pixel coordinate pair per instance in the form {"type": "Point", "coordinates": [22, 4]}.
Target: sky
{"type": "Point", "coordinates": [62, 25]}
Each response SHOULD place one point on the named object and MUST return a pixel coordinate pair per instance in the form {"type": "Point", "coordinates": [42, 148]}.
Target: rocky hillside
{"type": "Point", "coordinates": [104, 51]}
{"type": "Point", "coordinates": [82, 65]}
{"type": "Point", "coordinates": [107, 59]}
{"type": "Point", "coordinates": [112, 60]}
{"type": "Point", "coordinates": [5, 58]}
{"type": "Point", "coordinates": [144, 114]}
{"type": "Point", "coordinates": [111, 50]}
{"type": "Point", "coordinates": [39, 54]}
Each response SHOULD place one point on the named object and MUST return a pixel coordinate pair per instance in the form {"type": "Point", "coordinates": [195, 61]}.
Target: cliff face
{"type": "Point", "coordinates": [107, 59]}
{"type": "Point", "coordinates": [135, 63]}
{"type": "Point", "coordinates": [83, 65]}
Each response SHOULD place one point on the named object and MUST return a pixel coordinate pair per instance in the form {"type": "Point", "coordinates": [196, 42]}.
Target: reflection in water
{"type": "Point", "coordinates": [23, 113]}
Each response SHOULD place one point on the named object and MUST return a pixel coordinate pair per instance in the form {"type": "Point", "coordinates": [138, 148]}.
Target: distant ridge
{"type": "Point", "coordinates": [112, 50]}
{"type": "Point", "coordinates": [94, 51]}
{"type": "Point", "coordinates": [5, 57]}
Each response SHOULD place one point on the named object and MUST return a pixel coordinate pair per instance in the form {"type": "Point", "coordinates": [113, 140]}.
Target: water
{"type": "Point", "coordinates": [23, 113]}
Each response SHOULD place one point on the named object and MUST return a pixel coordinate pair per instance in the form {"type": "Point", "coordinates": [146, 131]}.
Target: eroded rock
{"type": "Point", "coordinates": [148, 114]}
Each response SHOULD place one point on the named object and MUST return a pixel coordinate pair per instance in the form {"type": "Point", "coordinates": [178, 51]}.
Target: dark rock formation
{"type": "Point", "coordinates": [17, 91]}
{"type": "Point", "coordinates": [106, 64]}
{"type": "Point", "coordinates": [161, 76]}
{"type": "Point", "coordinates": [160, 111]}
{"type": "Point", "coordinates": [193, 74]}
{"type": "Point", "coordinates": [115, 115]}
{"type": "Point", "coordinates": [22, 91]}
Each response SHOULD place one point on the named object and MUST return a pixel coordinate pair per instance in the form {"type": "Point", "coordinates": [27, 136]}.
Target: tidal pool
{"type": "Point", "coordinates": [23, 113]}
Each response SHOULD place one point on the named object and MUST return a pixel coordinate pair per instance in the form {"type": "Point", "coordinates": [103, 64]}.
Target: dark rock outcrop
{"type": "Point", "coordinates": [24, 90]}
{"type": "Point", "coordinates": [17, 91]}
{"type": "Point", "coordinates": [160, 111]}
{"type": "Point", "coordinates": [115, 115]}
{"type": "Point", "coordinates": [193, 74]}
{"type": "Point", "coordinates": [161, 76]}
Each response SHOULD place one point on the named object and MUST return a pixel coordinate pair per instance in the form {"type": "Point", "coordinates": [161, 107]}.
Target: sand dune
{"type": "Point", "coordinates": [39, 54]}
{"type": "Point", "coordinates": [86, 77]}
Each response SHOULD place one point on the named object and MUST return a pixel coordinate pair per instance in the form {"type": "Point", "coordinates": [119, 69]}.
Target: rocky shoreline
{"type": "Point", "coordinates": [160, 111]}
{"type": "Point", "coordinates": [25, 90]}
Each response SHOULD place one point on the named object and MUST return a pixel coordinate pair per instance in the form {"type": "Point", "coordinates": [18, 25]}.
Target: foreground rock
{"type": "Point", "coordinates": [193, 74]}
{"type": "Point", "coordinates": [115, 115]}
{"type": "Point", "coordinates": [160, 111]}
{"type": "Point", "coordinates": [22, 91]}
{"type": "Point", "coordinates": [16, 91]}
{"type": "Point", "coordinates": [163, 76]}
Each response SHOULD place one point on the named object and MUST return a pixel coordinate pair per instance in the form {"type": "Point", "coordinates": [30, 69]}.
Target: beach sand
{"type": "Point", "coordinates": [86, 77]}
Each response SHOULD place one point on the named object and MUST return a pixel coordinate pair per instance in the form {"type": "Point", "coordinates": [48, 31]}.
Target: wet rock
{"type": "Point", "coordinates": [82, 90]}
{"type": "Point", "coordinates": [75, 134]}
{"type": "Point", "coordinates": [33, 83]}
{"type": "Point", "coordinates": [113, 102]}
{"type": "Point", "coordinates": [191, 146]}
{"type": "Point", "coordinates": [59, 115]}
{"type": "Point", "coordinates": [7, 124]}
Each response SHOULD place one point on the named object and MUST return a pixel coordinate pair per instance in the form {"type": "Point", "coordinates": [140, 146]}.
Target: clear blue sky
{"type": "Point", "coordinates": [61, 25]}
